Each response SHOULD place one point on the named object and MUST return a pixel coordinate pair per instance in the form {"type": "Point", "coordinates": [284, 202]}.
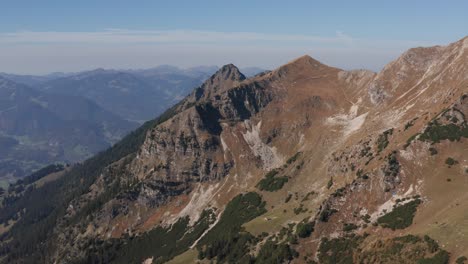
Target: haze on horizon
{"type": "Point", "coordinates": [55, 36]}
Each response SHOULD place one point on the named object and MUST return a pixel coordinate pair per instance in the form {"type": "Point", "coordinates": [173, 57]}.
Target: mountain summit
{"type": "Point", "coordinates": [226, 77]}
{"type": "Point", "coordinates": [304, 164]}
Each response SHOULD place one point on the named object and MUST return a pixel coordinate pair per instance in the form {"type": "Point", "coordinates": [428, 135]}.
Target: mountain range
{"type": "Point", "coordinates": [67, 117]}
{"type": "Point", "coordinates": [307, 163]}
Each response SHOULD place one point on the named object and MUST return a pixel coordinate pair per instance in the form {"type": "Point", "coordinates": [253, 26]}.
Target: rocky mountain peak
{"type": "Point", "coordinates": [230, 72]}
{"type": "Point", "coordinates": [226, 77]}
{"type": "Point", "coordinates": [302, 65]}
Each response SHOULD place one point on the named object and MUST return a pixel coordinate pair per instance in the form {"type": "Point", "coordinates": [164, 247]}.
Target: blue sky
{"type": "Point", "coordinates": [46, 36]}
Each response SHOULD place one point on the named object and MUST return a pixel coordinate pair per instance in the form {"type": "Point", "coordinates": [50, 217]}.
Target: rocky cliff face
{"type": "Point", "coordinates": [348, 166]}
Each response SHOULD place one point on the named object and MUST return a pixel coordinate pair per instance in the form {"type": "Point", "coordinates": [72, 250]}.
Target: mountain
{"type": "Point", "coordinates": [38, 128]}
{"type": "Point", "coordinates": [33, 80]}
{"type": "Point", "coordinates": [304, 164]}
{"type": "Point", "coordinates": [119, 92]}
{"type": "Point", "coordinates": [173, 82]}
{"type": "Point", "coordinates": [136, 95]}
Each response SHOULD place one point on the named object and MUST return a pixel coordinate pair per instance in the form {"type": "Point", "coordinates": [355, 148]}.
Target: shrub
{"type": "Point", "coordinates": [304, 229]}
{"type": "Point", "coordinates": [326, 213]}
{"type": "Point", "coordinates": [382, 140]}
{"type": "Point", "coordinates": [293, 158]}
{"type": "Point", "coordinates": [461, 260]}
{"type": "Point", "coordinates": [410, 139]}
{"type": "Point", "coordinates": [338, 250]}
{"type": "Point", "coordinates": [300, 209]}
{"type": "Point", "coordinates": [450, 161]}
{"type": "Point", "coordinates": [271, 252]}
{"type": "Point", "coordinates": [347, 227]}
{"type": "Point", "coordinates": [433, 151]}
{"type": "Point", "coordinates": [271, 182]}
{"type": "Point", "coordinates": [410, 123]}
{"type": "Point", "coordinates": [432, 245]}
{"type": "Point", "coordinates": [435, 132]}
{"type": "Point", "coordinates": [408, 239]}
{"type": "Point", "coordinates": [330, 183]}
{"type": "Point", "coordinates": [400, 217]}
{"type": "Point", "coordinates": [442, 257]}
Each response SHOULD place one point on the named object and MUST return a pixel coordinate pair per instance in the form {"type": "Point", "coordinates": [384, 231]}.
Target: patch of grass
{"type": "Point", "coordinates": [271, 182]}
{"type": "Point", "coordinates": [400, 217]}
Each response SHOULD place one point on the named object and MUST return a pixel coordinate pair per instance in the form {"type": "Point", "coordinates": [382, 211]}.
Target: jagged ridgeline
{"type": "Point", "coordinates": [304, 164]}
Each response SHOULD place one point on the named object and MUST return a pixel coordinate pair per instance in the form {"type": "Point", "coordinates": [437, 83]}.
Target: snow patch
{"type": "Point", "coordinates": [267, 154]}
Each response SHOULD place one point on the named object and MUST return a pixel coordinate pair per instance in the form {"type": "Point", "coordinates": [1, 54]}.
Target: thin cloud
{"type": "Point", "coordinates": [42, 52]}
{"type": "Point", "coordinates": [171, 36]}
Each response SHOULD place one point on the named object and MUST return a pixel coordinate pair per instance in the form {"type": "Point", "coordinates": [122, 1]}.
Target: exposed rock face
{"type": "Point", "coordinates": [341, 149]}
{"type": "Point", "coordinates": [226, 77]}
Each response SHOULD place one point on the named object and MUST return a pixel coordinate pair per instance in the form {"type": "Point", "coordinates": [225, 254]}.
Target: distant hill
{"type": "Point", "coordinates": [38, 128]}
{"type": "Point", "coordinates": [136, 95]}
{"type": "Point", "coordinates": [33, 80]}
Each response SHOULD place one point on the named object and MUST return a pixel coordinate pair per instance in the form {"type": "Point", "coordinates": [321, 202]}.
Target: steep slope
{"type": "Point", "coordinates": [39, 128]}
{"type": "Point", "coordinates": [302, 164]}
